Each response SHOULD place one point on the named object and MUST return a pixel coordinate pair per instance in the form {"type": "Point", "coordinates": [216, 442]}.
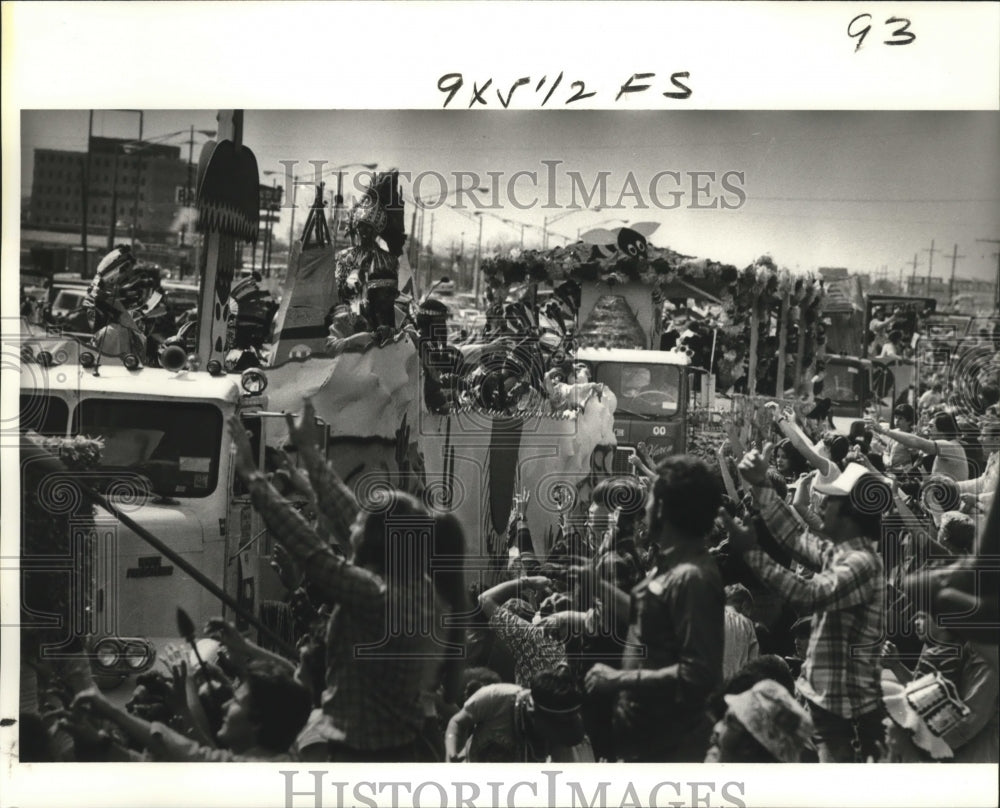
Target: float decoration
{"type": "Point", "coordinates": [751, 315]}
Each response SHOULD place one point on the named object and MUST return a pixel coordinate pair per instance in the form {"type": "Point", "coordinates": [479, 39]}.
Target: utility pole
{"type": "Point", "coordinates": [461, 266]}
{"type": "Point", "coordinates": [413, 240]}
{"type": "Point", "coordinates": [85, 184]}
{"type": "Point", "coordinates": [113, 229]}
{"type": "Point", "coordinates": [913, 276]}
{"type": "Point", "coordinates": [420, 245]}
{"type": "Point", "coordinates": [138, 170]}
{"type": "Point", "coordinates": [430, 252]}
{"type": "Point", "coordinates": [930, 265]}
{"type": "Point", "coordinates": [996, 291]}
{"type": "Point", "coordinates": [338, 201]}
{"type": "Point", "coordinates": [951, 284]}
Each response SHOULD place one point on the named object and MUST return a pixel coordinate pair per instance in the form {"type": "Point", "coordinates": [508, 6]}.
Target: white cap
{"type": "Point", "coordinates": [853, 475]}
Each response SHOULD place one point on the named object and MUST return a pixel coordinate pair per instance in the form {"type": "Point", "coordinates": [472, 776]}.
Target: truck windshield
{"type": "Point", "coordinates": [842, 384]}
{"type": "Point", "coordinates": [46, 415]}
{"type": "Point", "coordinates": [175, 445]}
{"type": "Point", "coordinates": [650, 391]}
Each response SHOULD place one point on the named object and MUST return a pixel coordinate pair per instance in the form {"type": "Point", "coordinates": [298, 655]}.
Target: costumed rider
{"type": "Point", "coordinates": [368, 271]}
{"type": "Point", "coordinates": [154, 318]}
{"type": "Point", "coordinates": [116, 296]}
{"type": "Point", "coordinates": [442, 363]}
{"type": "Point", "coordinates": [246, 328]}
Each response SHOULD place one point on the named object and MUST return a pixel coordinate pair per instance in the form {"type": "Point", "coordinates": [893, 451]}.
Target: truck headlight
{"type": "Point", "coordinates": [106, 652]}
{"type": "Point", "coordinates": [137, 655]}
{"type": "Point", "coordinates": [253, 381]}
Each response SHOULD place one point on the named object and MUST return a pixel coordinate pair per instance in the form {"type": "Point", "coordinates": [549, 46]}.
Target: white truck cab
{"type": "Point", "coordinates": [652, 392]}
{"type": "Point", "coordinates": [167, 464]}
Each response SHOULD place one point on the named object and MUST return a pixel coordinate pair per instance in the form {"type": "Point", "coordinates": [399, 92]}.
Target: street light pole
{"type": "Point", "coordinates": [476, 282]}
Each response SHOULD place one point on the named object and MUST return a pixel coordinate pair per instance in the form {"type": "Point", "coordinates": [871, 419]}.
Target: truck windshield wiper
{"type": "Point", "coordinates": [630, 414]}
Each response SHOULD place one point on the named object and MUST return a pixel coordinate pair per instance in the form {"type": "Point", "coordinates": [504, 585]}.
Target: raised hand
{"type": "Point", "coordinates": [303, 432]}
{"type": "Point", "coordinates": [245, 461]}
{"type": "Point", "coordinates": [227, 634]}
{"type": "Point", "coordinates": [753, 468]}
{"type": "Point", "coordinates": [741, 537]}
{"type": "Point", "coordinates": [600, 678]}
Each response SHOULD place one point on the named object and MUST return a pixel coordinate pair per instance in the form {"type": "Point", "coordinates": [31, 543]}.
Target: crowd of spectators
{"type": "Point", "coordinates": [789, 611]}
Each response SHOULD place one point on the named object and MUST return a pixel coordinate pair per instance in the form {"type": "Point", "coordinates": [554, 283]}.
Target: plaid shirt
{"type": "Point", "coordinates": [333, 498]}
{"type": "Point", "coordinates": [376, 667]}
{"type": "Point", "coordinates": [847, 598]}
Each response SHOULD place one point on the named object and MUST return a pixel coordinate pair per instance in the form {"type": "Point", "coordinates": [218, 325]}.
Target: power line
{"type": "Point", "coordinates": [887, 200]}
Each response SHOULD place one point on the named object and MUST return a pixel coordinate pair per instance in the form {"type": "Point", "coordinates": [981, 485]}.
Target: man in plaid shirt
{"type": "Point", "coordinates": [846, 597]}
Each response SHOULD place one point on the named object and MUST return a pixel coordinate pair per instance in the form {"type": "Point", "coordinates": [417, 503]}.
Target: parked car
{"type": "Point", "coordinates": [67, 301]}
{"type": "Point", "coordinates": [180, 296]}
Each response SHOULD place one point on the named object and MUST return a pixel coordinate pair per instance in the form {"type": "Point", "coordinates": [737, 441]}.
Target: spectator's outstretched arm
{"type": "Point", "coordinates": [801, 502]}
{"type": "Point", "coordinates": [184, 697]}
{"type": "Point", "coordinates": [588, 586]}
{"type": "Point", "coordinates": [727, 478]}
{"type": "Point", "coordinates": [460, 727]}
{"type": "Point", "coordinates": [905, 438]}
{"type": "Point", "coordinates": [642, 468]}
{"type": "Point", "coordinates": [136, 728]}
{"type": "Point", "coordinates": [340, 580]}
{"type": "Point", "coordinates": [802, 444]}
{"type": "Point", "coordinates": [847, 583]}
{"type": "Point", "coordinates": [241, 650]}
{"type": "Point", "coordinates": [778, 516]}
{"type": "Point", "coordinates": [333, 498]}
{"type": "Point", "coordinates": [492, 598]}
{"type": "Point", "coordinates": [356, 343]}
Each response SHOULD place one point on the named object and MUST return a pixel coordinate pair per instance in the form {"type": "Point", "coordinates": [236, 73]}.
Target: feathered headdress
{"type": "Point", "coordinates": [379, 213]}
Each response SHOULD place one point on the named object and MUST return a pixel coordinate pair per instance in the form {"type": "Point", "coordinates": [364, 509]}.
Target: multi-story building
{"type": "Point", "coordinates": [135, 190]}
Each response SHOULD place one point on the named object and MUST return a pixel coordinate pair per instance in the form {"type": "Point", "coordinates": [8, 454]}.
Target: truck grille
{"type": "Point", "coordinates": [620, 464]}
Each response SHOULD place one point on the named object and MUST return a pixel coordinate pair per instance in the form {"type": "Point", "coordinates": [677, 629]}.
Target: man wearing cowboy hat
{"type": "Point", "coordinates": [846, 597]}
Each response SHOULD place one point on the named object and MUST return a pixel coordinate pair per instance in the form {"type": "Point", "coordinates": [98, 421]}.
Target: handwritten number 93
{"type": "Point", "coordinates": [900, 36]}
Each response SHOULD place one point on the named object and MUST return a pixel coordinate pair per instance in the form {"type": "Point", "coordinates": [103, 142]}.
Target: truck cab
{"type": "Point", "coordinates": [166, 463]}
{"type": "Point", "coordinates": [860, 388]}
{"type": "Point", "coordinates": [652, 392]}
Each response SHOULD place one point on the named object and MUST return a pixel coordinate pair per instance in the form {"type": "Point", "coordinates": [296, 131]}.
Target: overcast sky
{"type": "Point", "coordinates": [857, 189]}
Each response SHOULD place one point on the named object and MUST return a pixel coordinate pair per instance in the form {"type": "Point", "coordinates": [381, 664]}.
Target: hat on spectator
{"type": "Point", "coordinates": [857, 481]}
{"type": "Point", "coordinates": [773, 717]}
{"type": "Point", "coordinates": [928, 707]}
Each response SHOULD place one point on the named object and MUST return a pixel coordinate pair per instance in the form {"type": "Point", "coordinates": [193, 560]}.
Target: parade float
{"type": "Point", "coordinates": [557, 391]}
{"type": "Point", "coordinates": [739, 331]}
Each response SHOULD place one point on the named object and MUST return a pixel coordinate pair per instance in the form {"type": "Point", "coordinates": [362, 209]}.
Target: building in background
{"type": "Point", "coordinates": [134, 190]}
{"type": "Point", "coordinates": [139, 192]}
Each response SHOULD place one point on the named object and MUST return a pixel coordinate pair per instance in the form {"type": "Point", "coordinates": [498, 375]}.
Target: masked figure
{"type": "Point", "coordinates": [368, 271]}
{"type": "Point", "coordinates": [116, 295]}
